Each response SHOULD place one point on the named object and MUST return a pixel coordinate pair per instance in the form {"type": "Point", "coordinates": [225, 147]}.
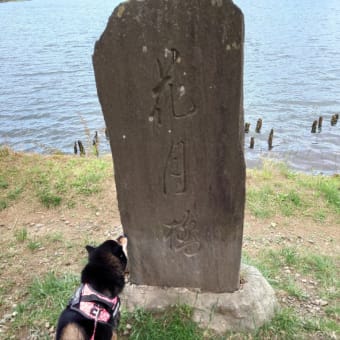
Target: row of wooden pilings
{"type": "Point", "coordinates": [317, 124]}
{"type": "Point", "coordinates": [79, 147]}
{"type": "Point", "coordinates": [258, 130]}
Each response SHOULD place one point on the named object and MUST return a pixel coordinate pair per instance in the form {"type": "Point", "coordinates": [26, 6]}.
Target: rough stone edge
{"type": "Point", "coordinates": [244, 310]}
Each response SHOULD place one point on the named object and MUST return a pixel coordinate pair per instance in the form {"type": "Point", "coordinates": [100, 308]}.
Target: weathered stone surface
{"type": "Point", "coordinates": [169, 80]}
{"type": "Point", "coordinates": [246, 309]}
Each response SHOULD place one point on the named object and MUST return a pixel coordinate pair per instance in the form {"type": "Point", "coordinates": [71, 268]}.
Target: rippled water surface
{"type": "Point", "coordinates": [292, 76]}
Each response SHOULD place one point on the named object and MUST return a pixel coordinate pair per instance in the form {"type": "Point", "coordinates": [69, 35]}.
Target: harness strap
{"type": "Point", "coordinates": [95, 306]}
{"type": "Point", "coordinates": [95, 327]}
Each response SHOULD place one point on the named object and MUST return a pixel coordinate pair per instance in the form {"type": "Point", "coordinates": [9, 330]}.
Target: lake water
{"type": "Point", "coordinates": [48, 95]}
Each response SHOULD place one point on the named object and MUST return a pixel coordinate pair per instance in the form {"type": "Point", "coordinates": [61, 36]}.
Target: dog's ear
{"type": "Point", "coordinates": [90, 249]}
{"type": "Point", "coordinates": [123, 241]}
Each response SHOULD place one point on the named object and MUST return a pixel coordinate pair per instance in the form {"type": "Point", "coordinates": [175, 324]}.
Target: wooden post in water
{"type": "Point", "coordinates": [270, 139]}
{"type": "Point", "coordinates": [334, 119]}
{"type": "Point", "coordinates": [320, 124]}
{"type": "Point", "coordinates": [258, 125]}
{"type": "Point", "coordinates": [95, 148]}
{"type": "Point", "coordinates": [95, 138]}
{"type": "Point", "coordinates": [315, 123]}
{"type": "Point", "coordinates": [81, 148]}
{"type": "Point", "coordinates": [95, 143]}
{"type": "Point", "coordinates": [252, 142]}
{"type": "Point", "coordinates": [246, 127]}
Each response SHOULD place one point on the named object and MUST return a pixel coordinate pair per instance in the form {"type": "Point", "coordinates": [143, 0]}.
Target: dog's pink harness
{"type": "Point", "coordinates": [95, 306]}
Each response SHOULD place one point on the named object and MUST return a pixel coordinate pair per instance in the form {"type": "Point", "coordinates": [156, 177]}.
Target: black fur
{"type": "Point", "coordinates": [105, 273]}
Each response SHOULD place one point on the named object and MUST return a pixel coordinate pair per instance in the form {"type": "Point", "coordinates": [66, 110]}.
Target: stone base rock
{"type": "Point", "coordinates": [244, 310]}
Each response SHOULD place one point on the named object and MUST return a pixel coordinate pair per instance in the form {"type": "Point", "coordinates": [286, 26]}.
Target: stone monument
{"type": "Point", "coordinates": [169, 80]}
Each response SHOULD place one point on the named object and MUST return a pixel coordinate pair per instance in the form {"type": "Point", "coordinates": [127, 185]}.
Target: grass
{"type": "Point", "coordinates": [322, 269]}
{"type": "Point", "coordinates": [276, 190]}
{"type": "Point", "coordinates": [327, 187]}
{"type": "Point", "coordinates": [33, 245]}
{"type": "Point", "coordinates": [88, 178]}
{"type": "Point", "coordinates": [47, 297]}
{"type": "Point", "coordinates": [175, 324]}
{"type": "Point", "coordinates": [51, 180]}
{"type": "Point", "coordinates": [266, 201]}
{"type": "Point", "coordinates": [21, 235]}
{"type": "Point", "coordinates": [55, 237]}
{"type": "Point", "coordinates": [3, 183]}
{"type": "Point", "coordinates": [285, 325]}
{"type": "Point", "coordinates": [288, 325]}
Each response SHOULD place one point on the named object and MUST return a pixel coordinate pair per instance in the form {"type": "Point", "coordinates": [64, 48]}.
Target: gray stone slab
{"type": "Point", "coordinates": [169, 80]}
{"type": "Point", "coordinates": [244, 310]}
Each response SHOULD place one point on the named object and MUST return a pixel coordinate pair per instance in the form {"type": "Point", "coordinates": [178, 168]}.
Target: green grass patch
{"type": "Point", "coordinates": [52, 180]}
{"type": "Point", "coordinates": [88, 178]}
{"type": "Point", "coordinates": [15, 193]}
{"type": "Point", "coordinates": [21, 235]}
{"type": "Point", "coordinates": [288, 202]}
{"type": "Point", "coordinates": [327, 188]}
{"type": "Point", "coordinates": [3, 204]}
{"type": "Point", "coordinates": [55, 237]}
{"type": "Point", "coordinates": [321, 268]}
{"type": "Point", "coordinates": [174, 324]}
{"type": "Point", "coordinates": [319, 215]}
{"type": "Point", "coordinates": [287, 256]}
{"type": "Point", "coordinates": [268, 200]}
{"type": "Point", "coordinates": [259, 201]}
{"type": "Point", "coordinates": [333, 311]}
{"type": "Point", "coordinates": [33, 245]}
{"type": "Point", "coordinates": [2, 297]}
{"type": "Point", "coordinates": [3, 183]}
{"type": "Point", "coordinates": [4, 151]}
{"type": "Point", "coordinates": [46, 298]}
{"type": "Point", "coordinates": [49, 199]}
{"type": "Point", "coordinates": [275, 190]}
{"type": "Point", "coordinates": [285, 325]}
{"type": "Point", "coordinates": [292, 289]}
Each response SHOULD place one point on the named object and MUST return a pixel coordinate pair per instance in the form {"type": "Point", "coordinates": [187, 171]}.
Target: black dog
{"type": "Point", "coordinates": [93, 312]}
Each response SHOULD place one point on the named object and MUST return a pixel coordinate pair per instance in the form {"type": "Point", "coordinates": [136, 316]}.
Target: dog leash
{"type": "Point", "coordinates": [95, 327]}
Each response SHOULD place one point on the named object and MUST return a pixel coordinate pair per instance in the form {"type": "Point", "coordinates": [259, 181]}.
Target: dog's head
{"type": "Point", "coordinates": [105, 251]}
{"type": "Point", "coordinates": [106, 266]}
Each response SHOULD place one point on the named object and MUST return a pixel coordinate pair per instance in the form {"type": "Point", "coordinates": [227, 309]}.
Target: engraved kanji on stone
{"type": "Point", "coordinates": [182, 235]}
{"type": "Point", "coordinates": [174, 177]}
{"type": "Point", "coordinates": [167, 93]}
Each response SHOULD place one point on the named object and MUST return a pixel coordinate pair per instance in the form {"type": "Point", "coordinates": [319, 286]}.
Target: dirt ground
{"type": "Point", "coordinates": [58, 237]}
